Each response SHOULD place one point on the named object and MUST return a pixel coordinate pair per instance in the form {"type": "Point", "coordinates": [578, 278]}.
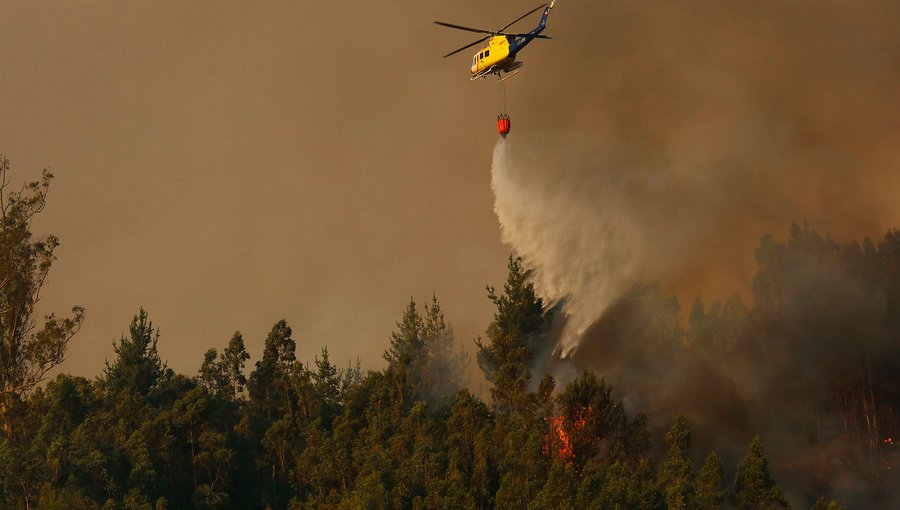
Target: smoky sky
{"type": "Point", "coordinates": [691, 129]}
{"type": "Point", "coordinates": [228, 164]}
{"type": "Point", "coordinates": [688, 130]}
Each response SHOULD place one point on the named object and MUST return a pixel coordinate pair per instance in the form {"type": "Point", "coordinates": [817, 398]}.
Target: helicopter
{"type": "Point", "coordinates": [499, 56]}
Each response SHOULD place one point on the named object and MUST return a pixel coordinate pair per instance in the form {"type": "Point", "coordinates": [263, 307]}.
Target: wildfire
{"type": "Point", "coordinates": [562, 437]}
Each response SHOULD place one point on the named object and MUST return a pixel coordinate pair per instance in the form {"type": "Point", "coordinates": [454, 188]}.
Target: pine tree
{"type": "Point", "coordinates": [443, 366]}
{"type": "Point", "coordinates": [137, 368]}
{"type": "Point", "coordinates": [596, 425]}
{"type": "Point", "coordinates": [406, 342]}
{"type": "Point", "coordinates": [327, 386]}
{"type": "Point", "coordinates": [709, 484]}
{"type": "Point", "coordinates": [421, 356]}
{"type": "Point", "coordinates": [405, 356]}
{"type": "Point", "coordinates": [676, 470]}
{"type": "Point", "coordinates": [754, 488]}
{"type": "Point", "coordinates": [514, 338]}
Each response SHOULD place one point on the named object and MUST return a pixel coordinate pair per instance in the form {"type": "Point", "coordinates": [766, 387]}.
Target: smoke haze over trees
{"type": "Point", "coordinates": [810, 366]}
{"type": "Point", "coordinates": [660, 156]}
{"type": "Point", "coordinates": [692, 131]}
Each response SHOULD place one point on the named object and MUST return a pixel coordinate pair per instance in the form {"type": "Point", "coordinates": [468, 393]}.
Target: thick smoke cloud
{"type": "Point", "coordinates": [690, 129]}
{"type": "Point", "coordinates": [684, 132]}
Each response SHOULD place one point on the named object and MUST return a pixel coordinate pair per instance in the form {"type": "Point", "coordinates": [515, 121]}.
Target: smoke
{"type": "Point", "coordinates": [695, 128]}
{"type": "Point", "coordinates": [684, 133]}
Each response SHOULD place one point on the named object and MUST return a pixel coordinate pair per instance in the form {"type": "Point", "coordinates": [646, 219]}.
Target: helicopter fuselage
{"type": "Point", "coordinates": [500, 53]}
{"type": "Point", "coordinates": [495, 53]}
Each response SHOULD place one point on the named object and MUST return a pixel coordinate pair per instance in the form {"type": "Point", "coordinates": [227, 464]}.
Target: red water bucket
{"type": "Point", "coordinates": [503, 125]}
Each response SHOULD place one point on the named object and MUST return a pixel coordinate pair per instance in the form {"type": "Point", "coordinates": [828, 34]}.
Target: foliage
{"type": "Point", "coordinates": [27, 352]}
{"type": "Point", "coordinates": [408, 436]}
{"type": "Point", "coordinates": [754, 488]}
{"type": "Point", "coordinates": [676, 472]}
{"type": "Point", "coordinates": [516, 336]}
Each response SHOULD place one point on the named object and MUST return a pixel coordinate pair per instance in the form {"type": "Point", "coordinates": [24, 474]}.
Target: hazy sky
{"type": "Point", "coordinates": [229, 164]}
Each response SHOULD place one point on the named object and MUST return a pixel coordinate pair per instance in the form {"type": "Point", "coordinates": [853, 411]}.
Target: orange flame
{"type": "Point", "coordinates": [563, 437]}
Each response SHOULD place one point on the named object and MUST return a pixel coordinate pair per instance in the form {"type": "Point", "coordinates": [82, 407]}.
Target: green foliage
{"type": "Point", "coordinates": [676, 474]}
{"type": "Point", "coordinates": [142, 437]}
{"type": "Point", "coordinates": [709, 484]}
{"type": "Point", "coordinates": [517, 334]}
{"type": "Point", "coordinates": [212, 377]}
{"type": "Point", "coordinates": [137, 368]}
{"type": "Point", "coordinates": [824, 504]}
{"type": "Point", "coordinates": [445, 362]}
{"type": "Point", "coordinates": [327, 385]}
{"type": "Point", "coordinates": [560, 490]}
{"type": "Point", "coordinates": [27, 352]}
{"type": "Point", "coordinates": [269, 383]}
{"type": "Point", "coordinates": [754, 488]}
{"type": "Point", "coordinates": [422, 354]}
{"type": "Point", "coordinates": [232, 364]}
{"type": "Point", "coordinates": [598, 426]}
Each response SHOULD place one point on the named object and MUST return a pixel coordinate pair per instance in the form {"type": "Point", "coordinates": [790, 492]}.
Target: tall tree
{"type": "Point", "coordinates": [27, 352]}
{"type": "Point", "coordinates": [677, 471]}
{"type": "Point", "coordinates": [232, 363]}
{"type": "Point", "coordinates": [754, 488]}
{"type": "Point", "coordinates": [271, 407]}
{"type": "Point", "coordinates": [212, 377]}
{"type": "Point", "coordinates": [225, 375]}
{"type": "Point", "coordinates": [422, 353]}
{"type": "Point", "coordinates": [444, 363]}
{"type": "Point", "coordinates": [406, 341]}
{"type": "Point", "coordinates": [137, 367]}
{"type": "Point", "coordinates": [593, 425]}
{"type": "Point", "coordinates": [709, 484]}
{"type": "Point", "coordinates": [514, 338]}
{"type": "Point", "coordinates": [327, 380]}
{"type": "Point", "coordinates": [270, 381]}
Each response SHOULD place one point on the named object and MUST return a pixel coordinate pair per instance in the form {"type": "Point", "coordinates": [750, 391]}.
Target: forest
{"type": "Point", "coordinates": [820, 339]}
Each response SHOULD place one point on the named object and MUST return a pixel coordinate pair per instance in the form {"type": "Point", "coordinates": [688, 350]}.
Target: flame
{"type": "Point", "coordinates": [889, 441]}
{"type": "Point", "coordinates": [562, 436]}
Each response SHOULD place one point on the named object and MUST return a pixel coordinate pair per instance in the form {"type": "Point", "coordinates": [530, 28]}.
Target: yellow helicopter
{"type": "Point", "coordinates": [499, 56]}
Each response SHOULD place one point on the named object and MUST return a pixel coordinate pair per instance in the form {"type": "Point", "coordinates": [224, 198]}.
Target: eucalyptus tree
{"type": "Point", "coordinates": [28, 350]}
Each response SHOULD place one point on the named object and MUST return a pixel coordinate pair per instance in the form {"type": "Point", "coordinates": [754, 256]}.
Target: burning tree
{"type": "Point", "coordinates": [592, 426]}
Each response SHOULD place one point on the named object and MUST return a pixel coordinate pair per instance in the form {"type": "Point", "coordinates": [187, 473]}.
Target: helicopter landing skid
{"type": "Point", "coordinates": [511, 70]}
{"type": "Point", "coordinates": [508, 75]}
{"type": "Point", "coordinates": [487, 72]}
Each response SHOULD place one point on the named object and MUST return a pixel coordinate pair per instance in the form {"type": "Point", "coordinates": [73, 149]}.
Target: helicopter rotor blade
{"type": "Point", "coordinates": [520, 18]}
{"type": "Point", "coordinates": [467, 46]}
{"type": "Point", "coordinates": [540, 36]}
{"type": "Point", "coordinates": [460, 27]}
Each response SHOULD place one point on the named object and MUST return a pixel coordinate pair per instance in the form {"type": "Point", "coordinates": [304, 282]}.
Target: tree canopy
{"type": "Point", "coordinates": [291, 435]}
